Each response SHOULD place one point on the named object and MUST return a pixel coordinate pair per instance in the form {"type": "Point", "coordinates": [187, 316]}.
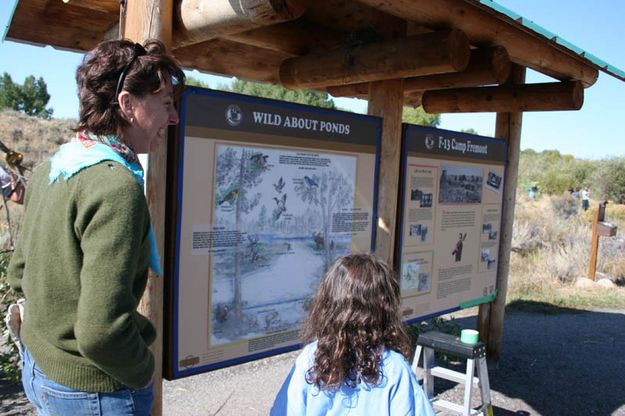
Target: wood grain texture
{"type": "Point", "coordinates": [385, 100]}
{"type": "Point", "coordinates": [429, 53]}
{"type": "Point", "coordinates": [553, 96]}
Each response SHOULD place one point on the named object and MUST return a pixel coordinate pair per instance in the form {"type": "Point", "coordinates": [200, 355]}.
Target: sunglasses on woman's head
{"type": "Point", "coordinates": [138, 51]}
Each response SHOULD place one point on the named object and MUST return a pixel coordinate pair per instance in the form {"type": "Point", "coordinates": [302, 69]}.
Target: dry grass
{"type": "Point", "coordinates": [551, 249]}
{"type": "Point", "coordinates": [36, 139]}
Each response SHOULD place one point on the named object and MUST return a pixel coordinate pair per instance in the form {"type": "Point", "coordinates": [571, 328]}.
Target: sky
{"type": "Point", "coordinates": [597, 131]}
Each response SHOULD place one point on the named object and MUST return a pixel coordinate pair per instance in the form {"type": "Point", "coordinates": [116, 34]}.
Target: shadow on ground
{"type": "Point", "coordinates": [557, 361]}
{"type": "Point", "coordinates": [12, 399]}
{"type": "Point", "coordinates": [554, 361]}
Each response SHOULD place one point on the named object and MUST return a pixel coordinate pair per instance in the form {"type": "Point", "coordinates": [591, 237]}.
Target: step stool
{"type": "Point", "coordinates": [432, 341]}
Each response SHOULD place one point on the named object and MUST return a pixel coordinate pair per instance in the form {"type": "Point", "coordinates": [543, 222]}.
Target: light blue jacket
{"type": "Point", "coordinates": [398, 393]}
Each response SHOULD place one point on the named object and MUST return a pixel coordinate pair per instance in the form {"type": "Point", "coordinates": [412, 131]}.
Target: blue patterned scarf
{"type": "Point", "coordinates": [89, 150]}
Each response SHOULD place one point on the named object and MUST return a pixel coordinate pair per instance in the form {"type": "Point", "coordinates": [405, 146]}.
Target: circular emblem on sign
{"type": "Point", "coordinates": [234, 115]}
{"type": "Point", "coordinates": [429, 141]}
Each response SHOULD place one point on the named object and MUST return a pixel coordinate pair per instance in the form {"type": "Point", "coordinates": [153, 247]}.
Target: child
{"type": "Point", "coordinates": [357, 363]}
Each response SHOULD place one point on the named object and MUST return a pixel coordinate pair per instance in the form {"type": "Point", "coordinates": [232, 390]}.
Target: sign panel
{"type": "Point", "coordinates": [452, 192]}
{"type": "Point", "coordinates": [269, 194]}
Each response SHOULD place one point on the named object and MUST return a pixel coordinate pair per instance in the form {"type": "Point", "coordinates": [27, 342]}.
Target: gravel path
{"type": "Point", "coordinates": [564, 363]}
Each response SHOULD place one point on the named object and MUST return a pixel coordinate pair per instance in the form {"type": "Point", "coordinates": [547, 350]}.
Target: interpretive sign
{"type": "Point", "coordinates": [268, 195]}
{"type": "Point", "coordinates": [451, 193]}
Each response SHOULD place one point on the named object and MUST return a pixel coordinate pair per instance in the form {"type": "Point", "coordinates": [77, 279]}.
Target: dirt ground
{"type": "Point", "coordinates": [555, 361]}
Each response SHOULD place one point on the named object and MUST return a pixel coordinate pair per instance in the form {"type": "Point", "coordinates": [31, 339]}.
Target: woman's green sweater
{"type": "Point", "coordinates": [82, 262]}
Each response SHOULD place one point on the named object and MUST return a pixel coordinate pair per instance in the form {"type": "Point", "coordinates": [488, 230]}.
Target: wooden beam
{"type": "Point", "coordinates": [385, 100]}
{"type": "Point", "coordinates": [486, 66]}
{"type": "Point", "coordinates": [293, 38]}
{"type": "Point", "coordinates": [491, 315]}
{"type": "Point", "coordinates": [349, 90]}
{"type": "Point", "coordinates": [554, 96]}
{"type": "Point", "coordinates": [413, 98]}
{"type": "Point", "coordinates": [428, 53]}
{"type": "Point", "coordinates": [221, 56]}
{"type": "Point", "coordinates": [109, 6]}
{"type": "Point", "coordinates": [485, 27]}
{"type": "Point", "coordinates": [152, 19]}
{"type": "Point", "coordinates": [61, 25]}
{"type": "Point", "coordinates": [352, 17]}
{"type": "Point", "coordinates": [200, 20]}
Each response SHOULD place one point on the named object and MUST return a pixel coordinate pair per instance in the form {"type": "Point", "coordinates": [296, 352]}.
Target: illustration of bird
{"type": "Point", "coordinates": [230, 197]}
{"type": "Point", "coordinates": [259, 160]}
{"type": "Point", "coordinates": [281, 203]}
{"type": "Point", "coordinates": [280, 207]}
{"type": "Point", "coordinates": [279, 185]}
{"type": "Point", "coordinates": [310, 182]}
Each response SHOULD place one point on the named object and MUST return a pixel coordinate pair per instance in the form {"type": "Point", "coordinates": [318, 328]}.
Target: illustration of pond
{"type": "Point", "coordinates": [270, 305]}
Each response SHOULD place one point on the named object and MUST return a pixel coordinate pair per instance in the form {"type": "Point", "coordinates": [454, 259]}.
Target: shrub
{"type": "Point", "coordinates": [610, 179]}
{"type": "Point", "coordinates": [9, 358]}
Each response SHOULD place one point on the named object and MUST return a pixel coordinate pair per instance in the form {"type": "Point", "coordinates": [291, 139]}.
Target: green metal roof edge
{"type": "Point", "coordinates": [599, 63]}
{"type": "Point", "coordinates": [10, 19]}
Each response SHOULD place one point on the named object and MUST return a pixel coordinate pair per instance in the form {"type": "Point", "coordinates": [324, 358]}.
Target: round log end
{"type": "Point", "coordinates": [287, 74]}
{"type": "Point", "coordinates": [429, 102]}
{"type": "Point", "coordinates": [578, 95]}
{"type": "Point", "coordinates": [500, 64]}
{"type": "Point", "coordinates": [459, 49]}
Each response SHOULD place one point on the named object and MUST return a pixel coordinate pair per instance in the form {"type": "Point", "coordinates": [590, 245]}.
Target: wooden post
{"type": "Point", "coordinates": [386, 100]}
{"type": "Point", "coordinates": [594, 246]}
{"type": "Point", "coordinates": [152, 19]}
{"type": "Point", "coordinates": [491, 315]}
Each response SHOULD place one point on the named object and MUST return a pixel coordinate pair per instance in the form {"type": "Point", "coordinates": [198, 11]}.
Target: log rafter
{"type": "Point", "coordinates": [429, 53]}
{"type": "Point", "coordinates": [484, 28]}
{"type": "Point", "coordinates": [293, 28]}
{"type": "Point", "coordinates": [487, 66]}
{"type": "Point", "coordinates": [509, 98]}
{"type": "Point", "coordinates": [199, 20]}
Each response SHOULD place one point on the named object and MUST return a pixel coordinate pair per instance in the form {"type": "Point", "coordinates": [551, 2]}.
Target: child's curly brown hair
{"type": "Point", "coordinates": [354, 317]}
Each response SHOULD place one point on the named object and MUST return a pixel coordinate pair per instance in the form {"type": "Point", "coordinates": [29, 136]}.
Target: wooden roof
{"type": "Point", "coordinates": [333, 45]}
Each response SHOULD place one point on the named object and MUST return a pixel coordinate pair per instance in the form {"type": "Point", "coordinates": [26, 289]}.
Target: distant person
{"type": "Point", "coordinates": [575, 193]}
{"type": "Point", "coordinates": [459, 245]}
{"type": "Point", "coordinates": [585, 198]}
{"type": "Point", "coordinates": [86, 241]}
{"type": "Point", "coordinates": [532, 192]}
{"type": "Point", "coordinates": [12, 188]}
{"type": "Point", "coordinates": [357, 362]}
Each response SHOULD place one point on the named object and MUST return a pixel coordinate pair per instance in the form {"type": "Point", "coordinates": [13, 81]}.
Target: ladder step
{"type": "Point", "coordinates": [441, 404]}
{"type": "Point", "coordinates": [451, 375]}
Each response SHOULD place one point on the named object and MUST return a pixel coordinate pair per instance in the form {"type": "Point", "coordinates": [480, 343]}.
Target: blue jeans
{"type": "Point", "coordinates": [53, 399]}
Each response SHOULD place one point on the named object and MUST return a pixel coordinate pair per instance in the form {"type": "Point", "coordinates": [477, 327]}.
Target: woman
{"type": "Point", "coordinates": [357, 363]}
{"type": "Point", "coordinates": [86, 242]}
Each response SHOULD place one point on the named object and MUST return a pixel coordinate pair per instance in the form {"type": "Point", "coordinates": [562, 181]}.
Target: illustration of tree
{"type": "Point", "coordinates": [262, 218]}
{"type": "Point", "coordinates": [329, 191]}
{"type": "Point", "coordinates": [239, 172]}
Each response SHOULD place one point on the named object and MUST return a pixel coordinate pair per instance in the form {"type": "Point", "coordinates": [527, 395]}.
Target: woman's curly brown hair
{"type": "Point", "coordinates": [354, 317]}
{"type": "Point", "coordinates": [98, 75]}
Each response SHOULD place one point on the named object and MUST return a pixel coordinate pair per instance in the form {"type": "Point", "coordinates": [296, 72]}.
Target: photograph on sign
{"type": "Point", "coordinates": [451, 193]}
{"type": "Point", "coordinates": [269, 194]}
